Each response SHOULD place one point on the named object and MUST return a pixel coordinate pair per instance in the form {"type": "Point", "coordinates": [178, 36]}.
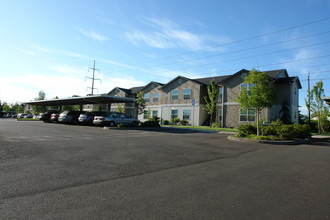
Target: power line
{"type": "Point", "coordinates": [272, 64]}
{"type": "Point", "coordinates": [238, 41]}
{"type": "Point", "coordinates": [237, 51]}
{"type": "Point", "coordinates": [241, 58]}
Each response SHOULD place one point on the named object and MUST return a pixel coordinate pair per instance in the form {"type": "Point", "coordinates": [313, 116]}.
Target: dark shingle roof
{"type": "Point", "coordinates": [135, 90]}
{"type": "Point", "coordinates": [288, 80]}
{"type": "Point", "coordinates": [275, 73]}
{"type": "Point", "coordinates": [207, 81]}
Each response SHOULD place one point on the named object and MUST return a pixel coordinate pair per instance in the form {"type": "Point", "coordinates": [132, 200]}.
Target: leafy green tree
{"type": "Point", "coordinates": [6, 107]}
{"type": "Point", "coordinates": [120, 108]}
{"type": "Point", "coordinates": [37, 109]}
{"type": "Point", "coordinates": [71, 108]}
{"type": "Point", "coordinates": [140, 102]}
{"type": "Point", "coordinates": [318, 108]}
{"type": "Point", "coordinates": [261, 95]}
{"type": "Point", "coordinates": [211, 101]}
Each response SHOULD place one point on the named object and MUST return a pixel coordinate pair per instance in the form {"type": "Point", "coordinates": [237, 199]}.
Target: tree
{"type": "Point", "coordinates": [211, 101]}
{"type": "Point", "coordinates": [141, 104]}
{"type": "Point", "coordinates": [260, 95]}
{"type": "Point", "coordinates": [317, 107]}
{"type": "Point", "coordinates": [38, 109]}
{"type": "Point", "coordinates": [120, 108]}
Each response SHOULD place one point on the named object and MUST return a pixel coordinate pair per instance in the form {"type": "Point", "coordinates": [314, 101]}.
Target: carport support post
{"type": "Point", "coordinates": [109, 107]}
{"type": "Point", "coordinates": [81, 107]}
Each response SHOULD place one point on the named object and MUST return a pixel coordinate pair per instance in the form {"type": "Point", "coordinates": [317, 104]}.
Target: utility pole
{"type": "Point", "coordinates": [93, 78]}
{"type": "Point", "coordinates": [309, 99]}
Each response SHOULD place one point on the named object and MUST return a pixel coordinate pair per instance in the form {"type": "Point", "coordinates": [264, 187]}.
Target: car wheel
{"type": "Point", "coordinates": [112, 124]}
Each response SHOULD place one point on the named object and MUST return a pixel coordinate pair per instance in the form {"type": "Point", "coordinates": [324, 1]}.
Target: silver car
{"type": "Point", "coordinates": [112, 119]}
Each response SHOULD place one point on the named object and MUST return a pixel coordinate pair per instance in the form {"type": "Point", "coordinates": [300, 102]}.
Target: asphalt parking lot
{"type": "Point", "coordinates": [55, 171]}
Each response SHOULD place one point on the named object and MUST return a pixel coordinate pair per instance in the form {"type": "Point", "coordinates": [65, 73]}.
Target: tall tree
{"type": "Point", "coordinates": [140, 102]}
{"type": "Point", "coordinates": [38, 109]}
{"type": "Point", "coordinates": [260, 94]}
{"type": "Point", "coordinates": [317, 107]}
{"type": "Point", "coordinates": [285, 111]}
{"type": "Point", "coordinates": [211, 101]}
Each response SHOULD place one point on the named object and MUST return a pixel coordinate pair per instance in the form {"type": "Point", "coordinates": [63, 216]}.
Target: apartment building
{"type": "Point", "coordinates": [183, 97]}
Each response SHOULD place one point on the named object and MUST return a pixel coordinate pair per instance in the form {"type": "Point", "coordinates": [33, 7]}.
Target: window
{"type": "Point", "coordinates": [155, 97]}
{"type": "Point", "coordinates": [155, 113]}
{"type": "Point", "coordinates": [248, 114]}
{"type": "Point", "coordinates": [145, 114]}
{"type": "Point", "coordinates": [186, 93]}
{"type": "Point", "coordinates": [186, 114]}
{"type": "Point", "coordinates": [247, 87]}
{"type": "Point", "coordinates": [174, 113]}
{"type": "Point", "coordinates": [220, 93]}
{"type": "Point", "coordinates": [220, 114]}
{"type": "Point", "coordinates": [175, 94]}
{"type": "Point", "coordinates": [146, 97]}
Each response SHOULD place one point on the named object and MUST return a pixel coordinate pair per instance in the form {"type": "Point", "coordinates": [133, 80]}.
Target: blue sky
{"type": "Point", "coordinates": [49, 45]}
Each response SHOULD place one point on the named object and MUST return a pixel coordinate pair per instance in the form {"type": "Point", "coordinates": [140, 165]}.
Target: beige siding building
{"type": "Point", "coordinates": [184, 98]}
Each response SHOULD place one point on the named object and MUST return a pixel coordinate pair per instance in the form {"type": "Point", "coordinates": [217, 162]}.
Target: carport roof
{"type": "Point", "coordinates": [327, 99]}
{"type": "Point", "coordinates": [81, 100]}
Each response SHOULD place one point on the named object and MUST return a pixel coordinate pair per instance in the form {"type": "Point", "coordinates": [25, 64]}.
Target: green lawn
{"type": "Point", "coordinates": [325, 134]}
{"type": "Point", "coordinates": [203, 128]}
{"type": "Point", "coordinates": [27, 119]}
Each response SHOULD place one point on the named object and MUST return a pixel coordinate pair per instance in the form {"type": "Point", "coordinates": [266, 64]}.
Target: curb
{"type": "Point", "coordinates": [289, 142]}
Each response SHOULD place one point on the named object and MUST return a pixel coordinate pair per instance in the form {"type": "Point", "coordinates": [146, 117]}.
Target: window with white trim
{"type": "Point", "coordinates": [155, 113]}
{"type": "Point", "coordinates": [247, 114]}
{"type": "Point", "coordinates": [146, 97]}
{"type": "Point", "coordinates": [175, 94]}
{"type": "Point", "coordinates": [186, 114]}
{"type": "Point", "coordinates": [186, 93]}
{"type": "Point", "coordinates": [155, 97]}
{"type": "Point", "coordinates": [220, 114]}
{"type": "Point", "coordinates": [220, 93]}
{"type": "Point", "coordinates": [247, 87]}
{"type": "Point", "coordinates": [174, 113]}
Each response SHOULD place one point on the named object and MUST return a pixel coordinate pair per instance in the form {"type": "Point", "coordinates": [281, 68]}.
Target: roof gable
{"type": "Point", "coordinates": [177, 79]}
{"type": "Point", "coordinates": [156, 84]}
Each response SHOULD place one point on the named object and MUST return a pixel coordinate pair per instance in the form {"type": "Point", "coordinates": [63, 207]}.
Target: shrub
{"type": "Point", "coordinates": [153, 124]}
{"type": "Point", "coordinates": [175, 121]}
{"type": "Point", "coordinates": [287, 132]}
{"type": "Point", "coordinates": [269, 130]}
{"type": "Point", "coordinates": [184, 122]}
{"type": "Point", "coordinates": [216, 125]}
{"type": "Point", "coordinates": [246, 130]}
{"type": "Point", "coordinates": [165, 122]}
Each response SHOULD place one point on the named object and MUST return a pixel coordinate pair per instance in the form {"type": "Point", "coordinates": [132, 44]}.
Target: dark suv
{"type": "Point", "coordinates": [69, 117]}
{"type": "Point", "coordinates": [45, 117]}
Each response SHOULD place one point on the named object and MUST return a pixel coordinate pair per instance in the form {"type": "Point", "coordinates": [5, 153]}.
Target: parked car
{"type": "Point", "coordinates": [21, 115]}
{"type": "Point", "coordinates": [54, 117]}
{"type": "Point", "coordinates": [28, 116]}
{"type": "Point", "coordinates": [88, 117]}
{"type": "Point", "coordinates": [69, 117]}
{"type": "Point", "coordinates": [114, 118]}
{"type": "Point", "coordinates": [45, 117]}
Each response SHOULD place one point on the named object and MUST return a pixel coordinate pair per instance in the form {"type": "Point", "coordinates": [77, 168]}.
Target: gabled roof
{"type": "Point", "coordinates": [207, 81]}
{"type": "Point", "coordinates": [289, 80]}
{"type": "Point", "coordinates": [135, 90]}
{"type": "Point", "coordinates": [153, 82]}
{"type": "Point", "coordinates": [276, 73]}
{"type": "Point", "coordinates": [234, 75]}
{"type": "Point", "coordinates": [182, 77]}
{"type": "Point", "coordinates": [127, 91]}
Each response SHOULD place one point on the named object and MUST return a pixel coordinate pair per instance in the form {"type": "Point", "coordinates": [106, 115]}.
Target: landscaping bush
{"type": "Point", "coordinates": [149, 124]}
{"type": "Point", "coordinates": [246, 130]}
{"type": "Point", "coordinates": [289, 132]}
{"type": "Point", "coordinates": [216, 125]}
{"type": "Point", "coordinates": [184, 122]}
{"type": "Point", "coordinates": [269, 130]}
{"type": "Point", "coordinates": [175, 121]}
{"type": "Point", "coordinates": [165, 122]}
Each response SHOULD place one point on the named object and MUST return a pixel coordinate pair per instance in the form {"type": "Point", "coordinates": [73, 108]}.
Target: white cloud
{"type": "Point", "coordinates": [93, 35]}
{"type": "Point", "coordinates": [167, 34]}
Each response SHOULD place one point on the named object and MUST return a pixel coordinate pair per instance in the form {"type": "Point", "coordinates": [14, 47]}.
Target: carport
{"type": "Point", "coordinates": [327, 99]}
{"type": "Point", "coordinates": [83, 100]}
